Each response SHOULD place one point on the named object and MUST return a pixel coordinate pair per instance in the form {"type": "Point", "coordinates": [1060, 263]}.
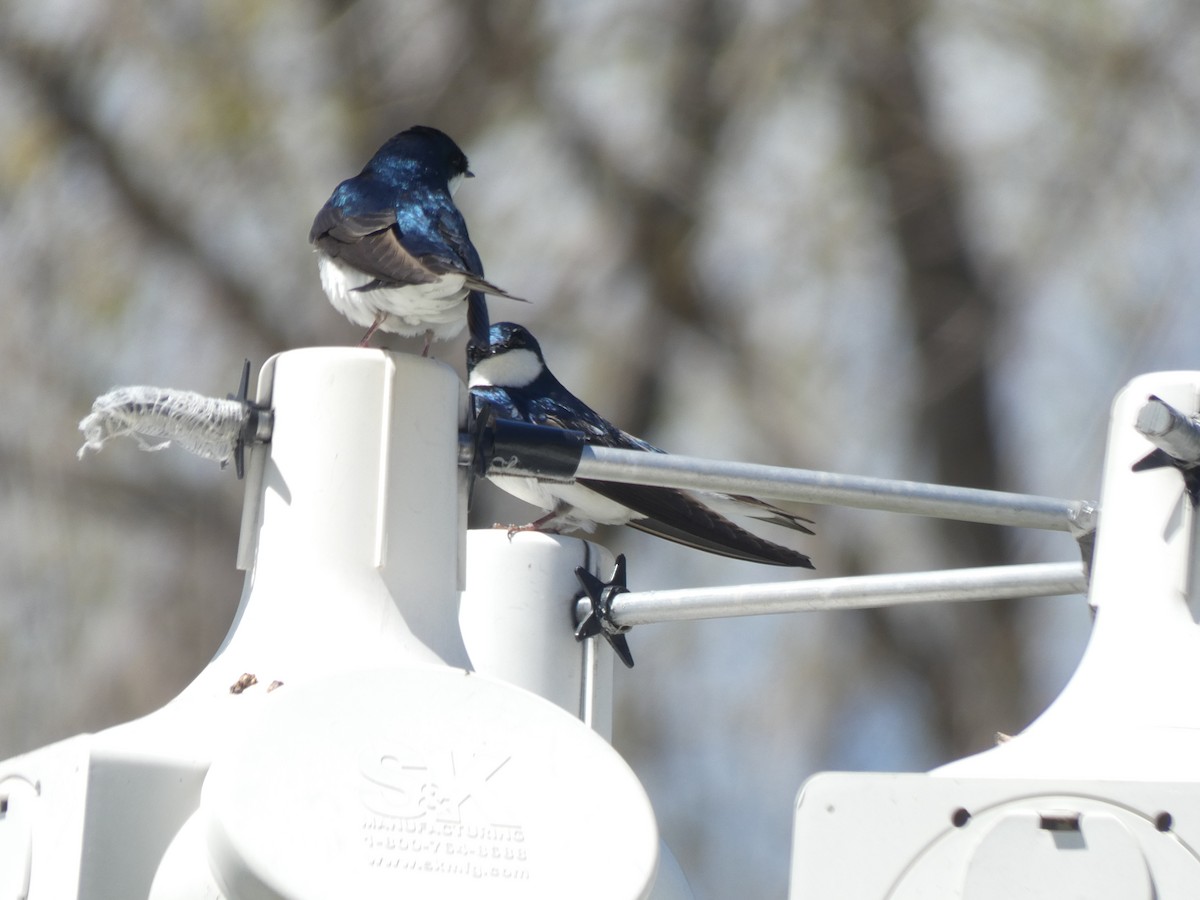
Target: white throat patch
{"type": "Point", "coordinates": [514, 369]}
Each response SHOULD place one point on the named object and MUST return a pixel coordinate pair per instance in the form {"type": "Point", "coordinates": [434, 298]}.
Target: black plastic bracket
{"type": "Point", "coordinates": [1159, 459]}
{"type": "Point", "coordinates": [1176, 435]}
{"type": "Point", "coordinates": [256, 421]}
{"type": "Point", "coordinates": [599, 620]}
{"type": "Point", "coordinates": [508, 446]}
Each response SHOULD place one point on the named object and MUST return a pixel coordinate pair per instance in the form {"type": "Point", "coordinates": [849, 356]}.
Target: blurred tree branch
{"type": "Point", "coordinates": [953, 316]}
{"type": "Point", "coordinates": [146, 497]}
{"type": "Point", "coordinates": [663, 215]}
{"type": "Point", "coordinates": [50, 74]}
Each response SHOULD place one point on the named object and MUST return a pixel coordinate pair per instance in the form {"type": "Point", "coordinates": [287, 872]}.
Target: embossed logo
{"type": "Point", "coordinates": [442, 812]}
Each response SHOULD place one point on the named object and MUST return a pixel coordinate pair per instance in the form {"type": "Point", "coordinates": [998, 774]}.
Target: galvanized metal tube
{"type": "Point", "coordinates": [857, 592]}
{"type": "Point", "coordinates": [1170, 430]}
{"type": "Point", "coordinates": [807, 486]}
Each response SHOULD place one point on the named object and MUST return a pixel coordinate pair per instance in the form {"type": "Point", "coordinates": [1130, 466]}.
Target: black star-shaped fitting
{"type": "Point", "coordinates": [483, 420]}
{"type": "Point", "coordinates": [599, 620]}
{"type": "Point", "coordinates": [256, 421]}
{"type": "Point", "coordinates": [1177, 438]}
{"type": "Point", "coordinates": [1158, 459]}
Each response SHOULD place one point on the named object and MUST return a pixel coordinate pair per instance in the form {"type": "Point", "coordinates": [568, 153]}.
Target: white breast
{"type": "Point", "coordinates": [514, 369]}
{"type": "Point", "coordinates": [439, 306]}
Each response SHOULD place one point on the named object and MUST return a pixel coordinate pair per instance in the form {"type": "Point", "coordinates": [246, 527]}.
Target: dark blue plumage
{"type": "Point", "coordinates": [510, 373]}
{"type": "Point", "coordinates": [393, 249]}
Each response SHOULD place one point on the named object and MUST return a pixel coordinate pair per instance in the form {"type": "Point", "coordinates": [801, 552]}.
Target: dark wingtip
{"type": "Point", "coordinates": [776, 555]}
{"type": "Point", "coordinates": [792, 522]}
{"type": "Point", "coordinates": [676, 516]}
{"type": "Point", "coordinates": [478, 320]}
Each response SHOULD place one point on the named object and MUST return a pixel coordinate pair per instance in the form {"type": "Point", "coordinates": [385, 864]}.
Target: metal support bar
{"type": "Point", "coordinates": [1170, 430]}
{"type": "Point", "coordinates": [516, 448]}
{"type": "Point", "coordinates": [943, 501]}
{"type": "Point", "coordinates": [857, 592]}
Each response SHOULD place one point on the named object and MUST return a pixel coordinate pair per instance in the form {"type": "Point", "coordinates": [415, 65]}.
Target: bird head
{"type": "Point", "coordinates": [512, 358]}
{"type": "Point", "coordinates": [430, 149]}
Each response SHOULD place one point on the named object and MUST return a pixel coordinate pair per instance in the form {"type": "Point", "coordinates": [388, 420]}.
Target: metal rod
{"type": "Point", "coordinates": [587, 684]}
{"type": "Point", "coordinates": [856, 592]}
{"type": "Point", "coordinates": [1170, 430]}
{"type": "Point", "coordinates": [943, 501]}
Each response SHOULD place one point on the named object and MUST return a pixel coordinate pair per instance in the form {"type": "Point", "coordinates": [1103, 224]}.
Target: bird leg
{"type": "Point", "coordinates": [535, 525]}
{"type": "Point", "coordinates": [370, 331]}
{"type": "Point", "coordinates": [428, 341]}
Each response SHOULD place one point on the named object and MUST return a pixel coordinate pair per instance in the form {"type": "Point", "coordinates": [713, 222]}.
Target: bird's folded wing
{"type": "Point", "coordinates": [475, 283]}
{"type": "Point", "coordinates": [676, 516]}
{"type": "Point", "coordinates": [370, 243]}
{"type": "Point", "coordinates": [333, 225]}
{"type": "Point", "coordinates": [769, 512]}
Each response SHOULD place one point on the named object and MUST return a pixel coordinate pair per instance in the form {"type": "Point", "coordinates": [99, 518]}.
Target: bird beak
{"type": "Point", "coordinates": [468, 174]}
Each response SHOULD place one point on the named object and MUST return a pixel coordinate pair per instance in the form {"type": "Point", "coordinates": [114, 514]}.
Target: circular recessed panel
{"type": "Point", "coordinates": [424, 782]}
{"type": "Point", "coordinates": [1027, 854]}
{"type": "Point", "coordinates": [1051, 846]}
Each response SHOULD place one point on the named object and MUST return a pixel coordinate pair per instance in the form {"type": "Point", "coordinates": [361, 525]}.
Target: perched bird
{"type": "Point", "coordinates": [510, 373]}
{"type": "Point", "coordinates": [393, 248]}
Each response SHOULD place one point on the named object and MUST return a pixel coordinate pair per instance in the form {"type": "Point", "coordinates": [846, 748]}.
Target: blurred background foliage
{"type": "Point", "coordinates": [908, 239]}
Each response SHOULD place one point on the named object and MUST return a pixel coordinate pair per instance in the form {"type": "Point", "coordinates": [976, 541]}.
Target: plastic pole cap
{"type": "Point", "coordinates": [424, 782]}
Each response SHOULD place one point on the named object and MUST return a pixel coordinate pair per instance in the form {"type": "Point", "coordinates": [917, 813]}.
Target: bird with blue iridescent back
{"type": "Point", "coordinates": [508, 374]}
{"type": "Point", "coordinates": [393, 249]}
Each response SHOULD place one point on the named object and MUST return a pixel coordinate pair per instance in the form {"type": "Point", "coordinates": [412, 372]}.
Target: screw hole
{"type": "Point", "coordinates": [960, 817]}
{"type": "Point", "coordinates": [1163, 821]}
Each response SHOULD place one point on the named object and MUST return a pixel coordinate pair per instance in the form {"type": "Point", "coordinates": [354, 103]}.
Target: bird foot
{"type": "Point", "coordinates": [515, 529]}
{"type": "Point", "coordinates": [371, 331]}
{"type": "Point", "coordinates": [542, 525]}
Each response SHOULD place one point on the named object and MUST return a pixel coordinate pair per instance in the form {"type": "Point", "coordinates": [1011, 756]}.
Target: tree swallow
{"type": "Point", "coordinates": [393, 248]}
{"type": "Point", "coordinates": [510, 373]}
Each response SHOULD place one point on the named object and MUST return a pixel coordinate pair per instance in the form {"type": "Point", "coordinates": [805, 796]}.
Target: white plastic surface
{"type": "Point", "coordinates": [352, 537]}
{"type": "Point", "coordinates": [883, 836]}
{"type": "Point", "coordinates": [184, 872]}
{"type": "Point", "coordinates": [424, 782]}
{"type": "Point", "coordinates": [1018, 858]}
{"type": "Point", "coordinates": [517, 619]}
{"type": "Point", "coordinates": [48, 785]}
{"type": "Point", "coordinates": [1130, 710]}
{"type": "Point", "coordinates": [353, 523]}
{"type": "Point", "coordinates": [1120, 746]}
